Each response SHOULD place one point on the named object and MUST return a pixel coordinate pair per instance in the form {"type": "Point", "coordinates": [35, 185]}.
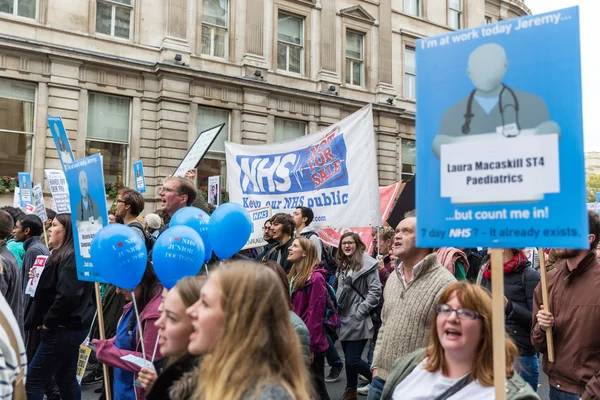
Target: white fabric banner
{"type": "Point", "coordinates": [333, 172]}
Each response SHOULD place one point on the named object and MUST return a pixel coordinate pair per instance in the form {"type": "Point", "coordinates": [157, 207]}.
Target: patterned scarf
{"type": "Point", "coordinates": [515, 263]}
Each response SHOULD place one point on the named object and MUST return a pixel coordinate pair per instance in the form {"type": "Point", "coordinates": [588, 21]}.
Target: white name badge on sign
{"type": "Point", "coordinates": [86, 231]}
{"type": "Point", "coordinates": [36, 270]}
{"type": "Point", "coordinates": [500, 169]}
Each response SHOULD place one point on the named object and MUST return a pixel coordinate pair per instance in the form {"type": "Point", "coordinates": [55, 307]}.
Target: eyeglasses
{"type": "Point", "coordinates": [120, 201]}
{"type": "Point", "coordinates": [267, 228]}
{"type": "Point", "coordinates": [348, 243]}
{"type": "Point", "coordinates": [168, 190]}
{"type": "Point", "coordinates": [462, 313]}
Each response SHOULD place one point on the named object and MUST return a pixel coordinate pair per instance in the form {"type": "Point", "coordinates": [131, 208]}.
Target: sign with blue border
{"type": "Point", "coordinates": [139, 176]}
{"type": "Point", "coordinates": [61, 140]}
{"type": "Point", "coordinates": [25, 188]}
{"type": "Point", "coordinates": [501, 152]}
{"type": "Point", "coordinates": [89, 214]}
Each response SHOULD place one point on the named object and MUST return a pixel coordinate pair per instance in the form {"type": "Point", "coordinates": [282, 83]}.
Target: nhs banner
{"type": "Point", "coordinates": [333, 171]}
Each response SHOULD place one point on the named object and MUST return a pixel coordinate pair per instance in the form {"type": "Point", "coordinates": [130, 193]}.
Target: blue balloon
{"type": "Point", "coordinates": [119, 255]}
{"type": "Point", "coordinates": [196, 219]}
{"type": "Point", "coordinates": [177, 253]}
{"type": "Point", "coordinates": [229, 229]}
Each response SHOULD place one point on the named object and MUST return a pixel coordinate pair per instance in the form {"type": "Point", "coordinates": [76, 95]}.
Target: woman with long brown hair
{"type": "Point", "coordinates": [458, 363]}
{"type": "Point", "coordinates": [308, 291]}
{"type": "Point", "coordinates": [358, 291]}
{"type": "Point", "coordinates": [243, 331]}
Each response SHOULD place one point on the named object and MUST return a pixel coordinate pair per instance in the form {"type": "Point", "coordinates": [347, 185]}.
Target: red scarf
{"type": "Point", "coordinates": [514, 264]}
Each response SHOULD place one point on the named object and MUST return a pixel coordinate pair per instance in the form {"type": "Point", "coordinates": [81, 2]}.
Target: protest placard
{"type": "Point", "coordinates": [139, 176]}
{"type": "Point", "coordinates": [36, 270]}
{"type": "Point", "coordinates": [333, 172]}
{"type": "Point", "coordinates": [214, 190]}
{"type": "Point", "coordinates": [198, 150]}
{"type": "Point", "coordinates": [24, 189]}
{"type": "Point", "coordinates": [61, 140]}
{"type": "Point", "coordinates": [258, 217]}
{"type": "Point", "coordinates": [88, 201]}
{"type": "Point", "coordinates": [59, 190]}
{"type": "Point", "coordinates": [491, 142]}
{"type": "Point", "coordinates": [17, 198]}
{"type": "Point", "coordinates": [492, 139]}
{"type": "Point", "coordinates": [38, 202]}
{"type": "Point", "coordinates": [82, 360]}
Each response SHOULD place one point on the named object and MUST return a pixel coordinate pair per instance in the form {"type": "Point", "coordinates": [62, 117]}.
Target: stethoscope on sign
{"type": "Point", "coordinates": [466, 128]}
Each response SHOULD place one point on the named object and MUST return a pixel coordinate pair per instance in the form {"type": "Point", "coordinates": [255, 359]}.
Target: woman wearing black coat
{"type": "Point", "coordinates": [62, 309]}
{"type": "Point", "coordinates": [520, 280]}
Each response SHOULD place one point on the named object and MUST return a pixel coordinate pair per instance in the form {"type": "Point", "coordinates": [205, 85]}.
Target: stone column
{"type": "Point", "coordinates": [385, 89]}
{"type": "Point", "coordinates": [176, 40]}
{"type": "Point", "coordinates": [254, 57]}
{"type": "Point", "coordinates": [328, 69]}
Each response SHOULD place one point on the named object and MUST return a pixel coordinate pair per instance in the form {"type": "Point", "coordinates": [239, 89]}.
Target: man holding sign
{"type": "Point", "coordinates": [574, 321]}
{"type": "Point", "coordinates": [28, 230]}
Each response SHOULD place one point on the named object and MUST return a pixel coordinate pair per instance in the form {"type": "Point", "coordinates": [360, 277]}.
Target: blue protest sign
{"type": "Point", "coordinates": [597, 197]}
{"type": "Point", "coordinates": [61, 140]}
{"type": "Point", "coordinates": [139, 176]}
{"type": "Point", "coordinates": [88, 210]}
{"type": "Point", "coordinates": [502, 154]}
{"type": "Point", "coordinates": [25, 189]}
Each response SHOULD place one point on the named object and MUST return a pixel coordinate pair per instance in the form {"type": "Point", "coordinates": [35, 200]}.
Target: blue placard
{"type": "Point", "coordinates": [61, 140]}
{"type": "Point", "coordinates": [500, 139]}
{"type": "Point", "coordinates": [87, 196]}
{"type": "Point", "coordinates": [139, 176]}
{"type": "Point", "coordinates": [597, 197]}
{"type": "Point", "coordinates": [25, 189]}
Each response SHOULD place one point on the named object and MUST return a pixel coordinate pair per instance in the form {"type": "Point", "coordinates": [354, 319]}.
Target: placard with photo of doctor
{"type": "Point", "coordinates": [214, 191]}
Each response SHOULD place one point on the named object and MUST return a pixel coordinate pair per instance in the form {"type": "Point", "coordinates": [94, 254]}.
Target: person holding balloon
{"type": "Point", "coordinates": [63, 310]}
{"type": "Point", "coordinates": [243, 331]}
{"type": "Point", "coordinates": [132, 338]}
{"type": "Point", "coordinates": [178, 370]}
{"type": "Point", "coordinates": [308, 291]}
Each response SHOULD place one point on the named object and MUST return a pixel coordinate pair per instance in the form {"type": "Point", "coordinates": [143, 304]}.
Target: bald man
{"type": "Point", "coordinates": [493, 107]}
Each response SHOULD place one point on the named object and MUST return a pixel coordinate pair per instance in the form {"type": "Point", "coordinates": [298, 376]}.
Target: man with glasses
{"type": "Point", "coordinates": [267, 237]}
{"type": "Point", "coordinates": [175, 194]}
{"type": "Point", "coordinates": [28, 230]}
{"type": "Point", "coordinates": [411, 293]}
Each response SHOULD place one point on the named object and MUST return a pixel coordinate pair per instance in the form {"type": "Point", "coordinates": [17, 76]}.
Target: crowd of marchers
{"type": "Point", "coordinates": [264, 324]}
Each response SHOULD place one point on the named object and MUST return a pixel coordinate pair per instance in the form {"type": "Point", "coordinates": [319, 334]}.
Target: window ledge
{"type": "Point", "coordinates": [355, 87]}
{"type": "Point", "coordinates": [288, 74]}
{"type": "Point", "coordinates": [18, 18]}
{"type": "Point", "coordinates": [109, 38]}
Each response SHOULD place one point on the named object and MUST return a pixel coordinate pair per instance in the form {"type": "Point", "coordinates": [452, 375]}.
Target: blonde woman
{"type": "Point", "coordinates": [308, 291]}
{"type": "Point", "coordinates": [243, 331]}
{"type": "Point", "coordinates": [457, 364]}
{"type": "Point", "coordinates": [178, 370]}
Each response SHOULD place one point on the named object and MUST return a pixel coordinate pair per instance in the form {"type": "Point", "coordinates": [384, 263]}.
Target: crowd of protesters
{"type": "Point", "coordinates": [267, 327]}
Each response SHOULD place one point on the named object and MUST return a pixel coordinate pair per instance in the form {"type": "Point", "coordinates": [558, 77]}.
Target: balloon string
{"type": "Point", "coordinates": [155, 346]}
{"type": "Point", "coordinates": [137, 315]}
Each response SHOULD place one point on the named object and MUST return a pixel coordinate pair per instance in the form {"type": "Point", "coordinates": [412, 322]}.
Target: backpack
{"type": "Point", "coordinates": [326, 258]}
{"type": "Point", "coordinates": [149, 240]}
{"type": "Point", "coordinates": [332, 319]}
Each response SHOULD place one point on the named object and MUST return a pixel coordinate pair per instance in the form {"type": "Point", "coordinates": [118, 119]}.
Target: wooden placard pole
{"type": "Point", "coordinates": [544, 282]}
{"type": "Point", "coordinates": [45, 235]}
{"type": "Point", "coordinates": [101, 326]}
{"type": "Point", "coordinates": [498, 333]}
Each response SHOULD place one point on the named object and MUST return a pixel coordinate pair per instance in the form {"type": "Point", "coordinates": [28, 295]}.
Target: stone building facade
{"type": "Point", "coordinates": [139, 79]}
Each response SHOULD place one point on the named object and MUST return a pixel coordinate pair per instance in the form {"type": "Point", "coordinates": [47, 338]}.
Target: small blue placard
{"type": "Point", "coordinates": [25, 189]}
{"type": "Point", "coordinates": [89, 214]}
{"type": "Point", "coordinates": [61, 140]}
{"type": "Point", "coordinates": [501, 152]}
{"type": "Point", "coordinates": [139, 176]}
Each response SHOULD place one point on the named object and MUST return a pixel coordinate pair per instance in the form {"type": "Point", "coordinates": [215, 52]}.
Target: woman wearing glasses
{"type": "Point", "coordinates": [358, 291]}
{"type": "Point", "coordinates": [458, 363]}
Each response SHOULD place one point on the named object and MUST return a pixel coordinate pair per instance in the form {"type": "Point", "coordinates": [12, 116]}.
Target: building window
{"type": "Point", "coordinates": [355, 65]}
{"type": "Point", "coordinates": [455, 14]}
{"type": "Point", "coordinates": [408, 159]}
{"type": "Point", "coordinates": [113, 17]}
{"type": "Point", "coordinates": [488, 20]}
{"type": "Point", "coordinates": [287, 129]}
{"type": "Point", "coordinates": [108, 133]}
{"type": "Point", "coordinates": [214, 27]}
{"type": "Point", "coordinates": [214, 162]}
{"type": "Point", "coordinates": [412, 7]}
{"type": "Point", "coordinates": [17, 111]}
{"type": "Point", "coordinates": [23, 8]}
{"type": "Point", "coordinates": [410, 73]}
{"type": "Point", "coordinates": [290, 42]}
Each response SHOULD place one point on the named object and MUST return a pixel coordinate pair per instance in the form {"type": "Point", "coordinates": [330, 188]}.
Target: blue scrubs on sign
{"type": "Point", "coordinates": [123, 380]}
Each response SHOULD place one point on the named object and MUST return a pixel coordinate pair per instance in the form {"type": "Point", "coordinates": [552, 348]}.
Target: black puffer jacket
{"type": "Point", "coordinates": [518, 289]}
